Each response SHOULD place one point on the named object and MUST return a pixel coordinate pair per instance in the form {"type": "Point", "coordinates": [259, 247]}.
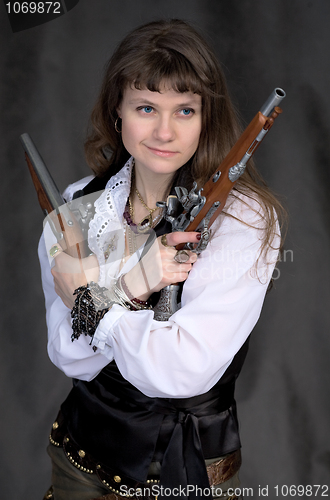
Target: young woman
{"type": "Point", "coordinates": [152, 404]}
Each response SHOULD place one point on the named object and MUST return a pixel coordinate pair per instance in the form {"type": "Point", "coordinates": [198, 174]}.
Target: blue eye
{"type": "Point", "coordinates": [147, 109]}
{"type": "Point", "coordinates": [186, 112]}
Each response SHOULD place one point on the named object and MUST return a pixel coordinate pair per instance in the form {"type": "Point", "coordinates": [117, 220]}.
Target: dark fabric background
{"type": "Point", "coordinates": [50, 76]}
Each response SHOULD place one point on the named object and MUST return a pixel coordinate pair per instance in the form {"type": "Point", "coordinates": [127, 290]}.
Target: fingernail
{"type": "Point", "coordinates": [198, 236]}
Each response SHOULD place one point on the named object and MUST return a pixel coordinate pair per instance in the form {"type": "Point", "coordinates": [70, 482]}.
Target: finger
{"type": "Point", "coordinates": [169, 255]}
{"type": "Point", "coordinates": [173, 267]}
{"type": "Point", "coordinates": [193, 257]}
{"type": "Point", "coordinates": [57, 289]}
{"type": "Point", "coordinates": [178, 237]}
{"type": "Point", "coordinates": [182, 276]}
{"type": "Point", "coordinates": [55, 250]}
{"type": "Point", "coordinates": [163, 240]}
{"type": "Point", "coordinates": [65, 264]}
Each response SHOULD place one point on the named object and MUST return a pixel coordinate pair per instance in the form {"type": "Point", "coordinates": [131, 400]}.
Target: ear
{"type": "Point", "coordinates": [118, 109]}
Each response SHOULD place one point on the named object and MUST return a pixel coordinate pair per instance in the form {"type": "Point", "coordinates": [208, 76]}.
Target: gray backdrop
{"type": "Point", "coordinates": [50, 76]}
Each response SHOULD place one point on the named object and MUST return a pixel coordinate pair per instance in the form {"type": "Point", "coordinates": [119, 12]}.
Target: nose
{"type": "Point", "coordinates": [164, 129]}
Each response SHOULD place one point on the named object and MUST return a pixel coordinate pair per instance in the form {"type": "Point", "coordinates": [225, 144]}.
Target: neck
{"type": "Point", "coordinates": [152, 189]}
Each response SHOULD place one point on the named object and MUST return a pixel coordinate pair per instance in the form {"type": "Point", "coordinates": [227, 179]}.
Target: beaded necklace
{"type": "Point", "coordinates": [148, 222]}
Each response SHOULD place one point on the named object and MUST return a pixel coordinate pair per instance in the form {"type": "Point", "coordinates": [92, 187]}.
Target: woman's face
{"type": "Point", "coordinates": [160, 130]}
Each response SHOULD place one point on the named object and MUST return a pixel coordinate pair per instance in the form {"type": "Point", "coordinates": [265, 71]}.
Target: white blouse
{"type": "Point", "coordinates": [221, 303]}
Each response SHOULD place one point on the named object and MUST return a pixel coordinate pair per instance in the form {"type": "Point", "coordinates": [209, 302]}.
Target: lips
{"type": "Point", "coordinates": [162, 152]}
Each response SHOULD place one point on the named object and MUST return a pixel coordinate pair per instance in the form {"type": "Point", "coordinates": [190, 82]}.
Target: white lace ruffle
{"type": "Point", "coordinates": [100, 343]}
{"type": "Point", "coordinates": [106, 235]}
{"type": "Point", "coordinates": [104, 331]}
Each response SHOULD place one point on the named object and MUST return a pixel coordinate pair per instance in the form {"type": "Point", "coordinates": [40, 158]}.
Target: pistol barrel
{"type": "Point", "coordinates": [273, 100]}
{"type": "Point", "coordinates": [46, 181]}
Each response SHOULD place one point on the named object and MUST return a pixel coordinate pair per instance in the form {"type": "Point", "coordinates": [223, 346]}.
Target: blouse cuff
{"type": "Point", "coordinates": [103, 336]}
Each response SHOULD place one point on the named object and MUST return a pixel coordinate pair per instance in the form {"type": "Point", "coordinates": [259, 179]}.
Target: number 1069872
{"type": "Point", "coordinates": [34, 8]}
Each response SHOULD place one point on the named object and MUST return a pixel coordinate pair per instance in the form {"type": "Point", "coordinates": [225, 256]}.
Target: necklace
{"type": "Point", "coordinates": [147, 222]}
{"type": "Point", "coordinates": [150, 210]}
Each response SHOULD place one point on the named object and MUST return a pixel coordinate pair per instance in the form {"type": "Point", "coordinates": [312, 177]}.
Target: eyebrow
{"type": "Point", "coordinates": [190, 102]}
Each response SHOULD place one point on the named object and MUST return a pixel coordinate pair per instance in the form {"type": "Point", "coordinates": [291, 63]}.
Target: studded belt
{"type": "Point", "coordinates": [218, 472]}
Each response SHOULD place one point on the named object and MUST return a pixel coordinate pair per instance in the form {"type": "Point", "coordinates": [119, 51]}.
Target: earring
{"type": "Point", "coordinates": [116, 126]}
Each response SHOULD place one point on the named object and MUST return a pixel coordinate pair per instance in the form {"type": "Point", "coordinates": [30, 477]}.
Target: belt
{"type": "Point", "coordinates": [217, 472]}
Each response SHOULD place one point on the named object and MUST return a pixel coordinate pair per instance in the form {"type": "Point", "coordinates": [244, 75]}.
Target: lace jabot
{"type": "Point", "coordinates": [106, 235]}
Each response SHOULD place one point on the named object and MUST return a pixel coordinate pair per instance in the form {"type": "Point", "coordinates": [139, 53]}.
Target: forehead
{"type": "Point", "coordinates": [166, 96]}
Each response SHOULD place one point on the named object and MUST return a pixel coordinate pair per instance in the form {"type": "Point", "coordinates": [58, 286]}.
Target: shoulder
{"type": "Point", "coordinates": [247, 222]}
{"type": "Point", "coordinates": [248, 208]}
{"type": "Point", "coordinates": [120, 177]}
{"type": "Point", "coordinates": [76, 186]}
{"type": "Point", "coordinates": [242, 221]}
{"type": "Point", "coordinates": [244, 210]}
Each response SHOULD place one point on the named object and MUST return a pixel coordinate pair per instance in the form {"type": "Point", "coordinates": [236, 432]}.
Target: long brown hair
{"type": "Point", "coordinates": [174, 52]}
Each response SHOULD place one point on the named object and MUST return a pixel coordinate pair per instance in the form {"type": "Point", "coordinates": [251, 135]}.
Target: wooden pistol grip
{"type": "Point", "coordinates": [72, 241]}
{"type": "Point", "coordinates": [75, 244]}
{"type": "Point", "coordinates": [43, 200]}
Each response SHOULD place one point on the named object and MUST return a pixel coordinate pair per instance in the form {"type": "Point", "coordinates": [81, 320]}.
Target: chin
{"type": "Point", "coordinates": [161, 166]}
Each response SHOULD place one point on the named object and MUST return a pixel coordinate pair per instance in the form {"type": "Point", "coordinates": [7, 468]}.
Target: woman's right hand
{"type": "Point", "coordinates": [158, 268]}
{"type": "Point", "coordinates": [70, 273]}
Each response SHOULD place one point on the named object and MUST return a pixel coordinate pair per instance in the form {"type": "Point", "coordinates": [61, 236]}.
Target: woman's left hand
{"type": "Point", "coordinates": [70, 273]}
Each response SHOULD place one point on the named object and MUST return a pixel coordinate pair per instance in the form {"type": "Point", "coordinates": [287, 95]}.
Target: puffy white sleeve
{"type": "Point", "coordinates": [185, 356]}
{"type": "Point", "coordinates": [75, 359]}
{"type": "Point", "coordinates": [221, 303]}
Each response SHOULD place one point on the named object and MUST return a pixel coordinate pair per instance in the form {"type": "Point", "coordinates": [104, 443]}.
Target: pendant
{"type": "Point", "coordinates": [110, 248]}
{"type": "Point", "coordinates": [145, 224]}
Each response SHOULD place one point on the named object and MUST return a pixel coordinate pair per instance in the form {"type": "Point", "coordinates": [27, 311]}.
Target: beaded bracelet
{"type": "Point", "coordinates": [141, 304]}
{"type": "Point", "coordinates": [90, 305]}
{"type": "Point", "coordinates": [93, 302]}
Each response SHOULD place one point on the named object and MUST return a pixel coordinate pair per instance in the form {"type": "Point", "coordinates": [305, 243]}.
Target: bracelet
{"type": "Point", "coordinates": [90, 305]}
{"type": "Point", "coordinates": [93, 302]}
{"type": "Point", "coordinates": [141, 304]}
{"type": "Point", "coordinates": [120, 297]}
